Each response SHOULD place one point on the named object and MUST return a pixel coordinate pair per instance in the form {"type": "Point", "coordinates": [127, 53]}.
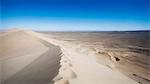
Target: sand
{"type": "Point", "coordinates": [26, 59]}
{"type": "Point", "coordinates": [29, 57]}
{"type": "Point", "coordinates": [126, 52]}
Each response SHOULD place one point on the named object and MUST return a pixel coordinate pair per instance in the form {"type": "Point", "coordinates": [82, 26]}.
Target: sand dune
{"type": "Point", "coordinates": [126, 52]}
{"type": "Point", "coordinates": [29, 57]}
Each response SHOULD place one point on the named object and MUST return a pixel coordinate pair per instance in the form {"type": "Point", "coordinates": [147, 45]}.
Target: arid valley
{"type": "Point", "coordinates": [33, 57]}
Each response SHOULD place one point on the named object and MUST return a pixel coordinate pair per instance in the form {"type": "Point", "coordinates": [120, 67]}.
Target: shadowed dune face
{"type": "Point", "coordinates": [25, 59]}
{"type": "Point", "coordinates": [28, 57]}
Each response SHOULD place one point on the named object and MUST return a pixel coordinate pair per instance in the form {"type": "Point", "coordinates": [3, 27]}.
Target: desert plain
{"type": "Point", "coordinates": [43, 57]}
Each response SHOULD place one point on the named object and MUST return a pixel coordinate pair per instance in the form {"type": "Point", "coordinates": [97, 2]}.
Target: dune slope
{"type": "Point", "coordinates": [26, 59]}
{"type": "Point", "coordinates": [126, 52]}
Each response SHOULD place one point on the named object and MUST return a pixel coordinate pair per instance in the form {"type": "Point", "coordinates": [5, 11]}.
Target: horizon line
{"type": "Point", "coordinates": [138, 30]}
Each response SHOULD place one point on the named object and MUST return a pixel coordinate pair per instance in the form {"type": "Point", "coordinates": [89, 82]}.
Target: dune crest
{"type": "Point", "coordinates": [84, 68]}
{"type": "Point", "coordinates": [25, 59]}
{"type": "Point", "coordinates": [54, 61]}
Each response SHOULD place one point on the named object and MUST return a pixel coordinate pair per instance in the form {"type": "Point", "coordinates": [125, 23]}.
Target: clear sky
{"type": "Point", "coordinates": [78, 15]}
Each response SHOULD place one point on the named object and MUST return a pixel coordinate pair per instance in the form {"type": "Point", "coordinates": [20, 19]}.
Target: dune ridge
{"type": "Point", "coordinates": [127, 52]}
{"type": "Point", "coordinates": [73, 67]}
{"type": "Point", "coordinates": [71, 63]}
{"type": "Point", "coordinates": [25, 59]}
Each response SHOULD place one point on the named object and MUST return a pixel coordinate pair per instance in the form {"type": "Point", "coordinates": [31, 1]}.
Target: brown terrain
{"type": "Point", "coordinates": [128, 51]}
{"type": "Point", "coordinates": [28, 57]}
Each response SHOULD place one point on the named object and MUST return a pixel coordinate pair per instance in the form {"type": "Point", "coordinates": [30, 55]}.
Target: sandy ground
{"type": "Point", "coordinates": [126, 52]}
{"type": "Point", "coordinates": [26, 59]}
{"type": "Point", "coordinates": [29, 57]}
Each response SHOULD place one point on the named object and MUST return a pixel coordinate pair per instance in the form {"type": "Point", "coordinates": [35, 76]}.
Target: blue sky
{"type": "Point", "coordinates": [75, 15]}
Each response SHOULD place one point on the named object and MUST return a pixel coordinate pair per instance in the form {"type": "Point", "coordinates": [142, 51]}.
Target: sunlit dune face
{"type": "Point", "coordinates": [17, 41]}
{"type": "Point", "coordinates": [25, 58]}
